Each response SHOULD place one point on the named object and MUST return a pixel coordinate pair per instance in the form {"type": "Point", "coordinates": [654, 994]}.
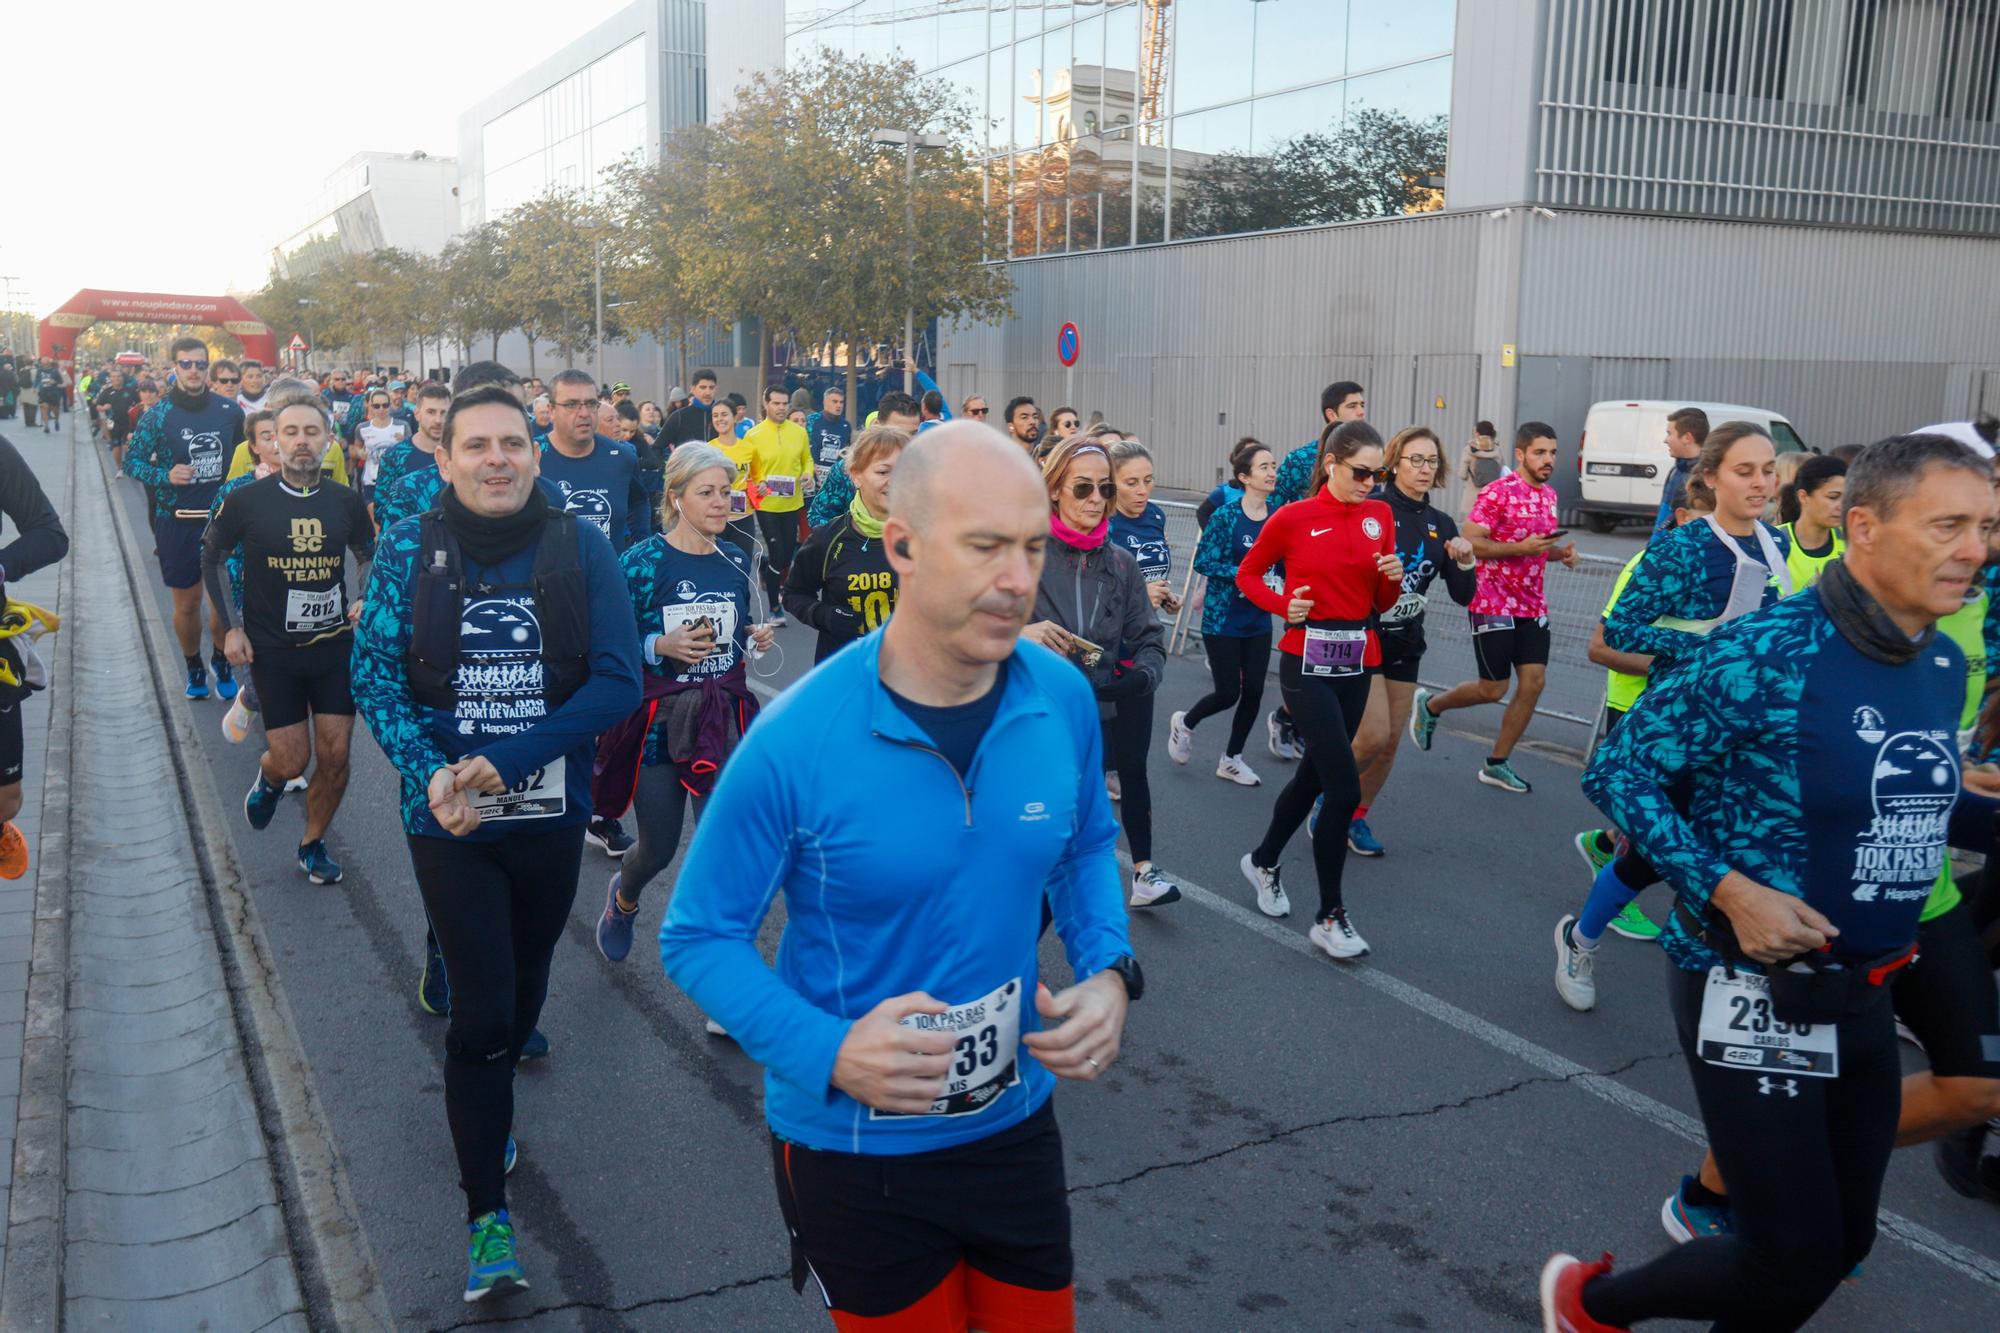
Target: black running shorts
{"type": "Point", "coordinates": [1501, 645]}
{"type": "Point", "coordinates": [293, 682]}
{"type": "Point", "coordinates": [12, 747]}
{"type": "Point", "coordinates": [877, 1233]}
{"type": "Point", "coordinates": [1948, 999]}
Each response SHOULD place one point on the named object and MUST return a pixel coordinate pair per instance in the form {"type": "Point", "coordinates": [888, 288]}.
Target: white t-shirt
{"type": "Point", "coordinates": [377, 440]}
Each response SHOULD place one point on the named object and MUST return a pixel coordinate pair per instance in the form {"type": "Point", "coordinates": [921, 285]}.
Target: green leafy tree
{"type": "Point", "coordinates": [804, 217]}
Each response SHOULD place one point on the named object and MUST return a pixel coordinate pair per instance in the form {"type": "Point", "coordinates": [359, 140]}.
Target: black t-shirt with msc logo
{"type": "Point", "coordinates": [295, 549]}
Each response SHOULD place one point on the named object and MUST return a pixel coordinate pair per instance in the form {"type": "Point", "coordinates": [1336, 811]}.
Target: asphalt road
{"type": "Point", "coordinates": [1285, 1143]}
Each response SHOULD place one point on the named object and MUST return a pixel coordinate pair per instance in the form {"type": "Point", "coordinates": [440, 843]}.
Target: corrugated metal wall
{"type": "Point", "coordinates": [1853, 334]}
{"type": "Point", "coordinates": [1198, 344]}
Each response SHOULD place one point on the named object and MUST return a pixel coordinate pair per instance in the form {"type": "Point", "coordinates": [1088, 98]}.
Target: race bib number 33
{"type": "Point", "coordinates": [1740, 1030]}
{"type": "Point", "coordinates": [985, 1054]}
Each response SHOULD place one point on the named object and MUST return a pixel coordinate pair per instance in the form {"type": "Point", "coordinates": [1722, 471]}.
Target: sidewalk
{"type": "Point", "coordinates": [143, 1193]}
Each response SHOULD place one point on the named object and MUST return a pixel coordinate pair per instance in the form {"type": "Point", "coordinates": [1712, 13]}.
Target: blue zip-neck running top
{"type": "Point", "coordinates": [1811, 768]}
{"type": "Point", "coordinates": [899, 874]}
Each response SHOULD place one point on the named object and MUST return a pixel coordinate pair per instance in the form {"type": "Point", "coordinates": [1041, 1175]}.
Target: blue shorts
{"type": "Point", "coordinates": [179, 540]}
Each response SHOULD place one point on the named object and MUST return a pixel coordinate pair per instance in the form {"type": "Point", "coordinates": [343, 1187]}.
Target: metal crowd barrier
{"type": "Point", "coordinates": [1575, 688]}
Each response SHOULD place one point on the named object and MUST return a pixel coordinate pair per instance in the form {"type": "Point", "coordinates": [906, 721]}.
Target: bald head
{"type": "Point", "coordinates": [968, 520]}
{"type": "Point", "coordinates": [966, 457]}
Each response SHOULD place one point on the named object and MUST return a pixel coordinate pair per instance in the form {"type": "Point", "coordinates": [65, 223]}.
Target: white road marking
{"type": "Point", "coordinates": [1970, 1263]}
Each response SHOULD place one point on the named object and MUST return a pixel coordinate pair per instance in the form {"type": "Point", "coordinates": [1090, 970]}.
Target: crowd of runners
{"type": "Point", "coordinates": [547, 604]}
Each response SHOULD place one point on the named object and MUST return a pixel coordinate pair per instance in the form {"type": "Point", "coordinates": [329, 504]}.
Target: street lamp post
{"type": "Point", "coordinates": [910, 141]}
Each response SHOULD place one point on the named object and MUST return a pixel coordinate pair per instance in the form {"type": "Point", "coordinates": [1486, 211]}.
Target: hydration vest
{"type": "Point", "coordinates": [562, 606]}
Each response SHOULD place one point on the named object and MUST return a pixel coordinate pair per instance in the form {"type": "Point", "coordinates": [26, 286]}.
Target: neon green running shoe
{"type": "Point", "coordinates": [492, 1267]}
{"type": "Point", "coordinates": [1633, 924]}
{"type": "Point", "coordinates": [1597, 848]}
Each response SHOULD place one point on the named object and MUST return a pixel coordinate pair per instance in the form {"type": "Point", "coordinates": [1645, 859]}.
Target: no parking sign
{"type": "Point", "coordinates": [1069, 344]}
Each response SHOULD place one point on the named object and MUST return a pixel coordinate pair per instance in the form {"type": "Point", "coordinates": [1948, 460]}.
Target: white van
{"type": "Point", "coordinates": [1623, 460]}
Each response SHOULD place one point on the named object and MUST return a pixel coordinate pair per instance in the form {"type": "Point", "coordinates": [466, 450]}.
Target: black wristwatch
{"type": "Point", "coordinates": [1128, 972]}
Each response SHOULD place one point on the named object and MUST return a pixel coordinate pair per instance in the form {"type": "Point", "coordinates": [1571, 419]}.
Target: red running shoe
{"type": "Point", "coordinates": [1563, 1277]}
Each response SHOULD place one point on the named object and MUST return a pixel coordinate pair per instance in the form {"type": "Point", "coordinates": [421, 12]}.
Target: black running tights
{"type": "Point", "coordinates": [498, 909]}
{"type": "Point", "coordinates": [1128, 734]}
{"type": "Point", "coordinates": [1238, 666]}
{"type": "Point", "coordinates": [1326, 712]}
{"type": "Point", "coordinates": [1804, 1158]}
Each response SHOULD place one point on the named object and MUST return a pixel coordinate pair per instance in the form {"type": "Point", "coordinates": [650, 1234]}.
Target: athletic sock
{"type": "Point", "coordinates": [1495, 760]}
{"type": "Point", "coordinates": [1609, 896]}
{"type": "Point", "coordinates": [1360, 812]}
{"type": "Point", "coordinates": [1701, 1196]}
{"type": "Point", "coordinates": [195, 664]}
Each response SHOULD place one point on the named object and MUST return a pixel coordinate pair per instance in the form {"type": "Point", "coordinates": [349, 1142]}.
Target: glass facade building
{"type": "Point", "coordinates": [564, 137]}
{"type": "Point", "coordinates": [1110, 123]}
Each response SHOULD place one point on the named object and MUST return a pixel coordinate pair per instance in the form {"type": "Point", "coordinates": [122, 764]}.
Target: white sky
{"type": "Point", "coordinates": [193, 207]}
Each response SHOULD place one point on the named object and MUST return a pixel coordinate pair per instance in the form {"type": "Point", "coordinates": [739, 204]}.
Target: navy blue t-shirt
{"type": "Point", "coordinates": [1246, 619]}
{"type": "Point", "coordinates": [598, 487]}
{"type": "Point", "coordinates": [957, 730]}
{"type": "Point", "coordinates": [1146, 538]}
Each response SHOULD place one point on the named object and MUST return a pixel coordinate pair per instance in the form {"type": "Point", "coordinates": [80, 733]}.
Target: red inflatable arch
{"type": "Point", "coordinates": [58, 333]}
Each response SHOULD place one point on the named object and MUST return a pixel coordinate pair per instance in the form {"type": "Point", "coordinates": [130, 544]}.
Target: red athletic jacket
{"type": "Point", "coordinates": [1329, 547]}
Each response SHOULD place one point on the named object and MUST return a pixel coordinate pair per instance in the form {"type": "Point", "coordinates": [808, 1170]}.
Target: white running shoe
{"type": "Point", "coordinates": [1274, 737]}
{"type": "Point", "coordinates": [1336, 937]}
{"type": "Point", "coordinates": [1112, 787]}
{"type": "Point", "coordinates": [1574, 968]}
{"type": "Point", "coordinates": [1271, 899]}
{"type": "Point", "coordinates": [713, 1028]}
{"type": "Point", "coordinates": [1152, 889]}
{"type": "Point", "coordinates": [1180, 740]}
{"type": "Point", "coordinates": [236, 723]}
{"type": "Point", "coordinates": [1232, 768]}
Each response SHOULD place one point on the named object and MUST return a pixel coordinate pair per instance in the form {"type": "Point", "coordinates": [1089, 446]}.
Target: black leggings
{"type": "Point", "coordinates": [659, 806]}
{"type": "Point", "coordinates": [781, 543]}
{"type": "Point", "coordinates": [1128, 734]}
{"type": "Point", "coordinates": [497, 909]}
{"type": "Point", "coordinates": [1804, 1158]}
{"type": "Point", "coordinates": [1326, 712]}
{"type": "Point", "coordinates": [1238, 666]}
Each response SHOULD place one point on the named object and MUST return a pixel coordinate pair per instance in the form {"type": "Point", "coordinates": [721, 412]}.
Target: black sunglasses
{"type": "Point", "coordinates": [1374, 474]}
{"type": "Point", "coordinates": [192, 365]}
{"type": "Point", "coordinates": [979, 411]}
{"type": "Point", "coordinates": [225, 379]}
{"type": "Point", "coordinates": [1082, 489]}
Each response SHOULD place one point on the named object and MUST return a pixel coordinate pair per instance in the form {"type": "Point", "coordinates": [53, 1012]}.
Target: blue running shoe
{"type": "Point", "coordinates": [197, 683]}
{"type": "Point", "coordinates": [1312, 819]}
{"type": "Point", "coordinates": [1686, 1221]}
{"type": "Point", "coordinates": [536, 1047]}
{"type": "Point", "coordinates": [261, 801]}
{"type": "Point", "coordinates": [614, 926]}
{"type": "Point", "coordinates": [319, 867]}
{"type": "Point", "coordinates": [492, 1267]}
{"type": "Point", "coordinates": [1423, 722]}
{"type": "Point", "coordinates": [225, 678]}
{"type": "Point", "coordinates": [433, 991]}
{"type": "Point", "coordinates": [513, 1155]}
{"type": "Point", "coordinates": [1361, 840]}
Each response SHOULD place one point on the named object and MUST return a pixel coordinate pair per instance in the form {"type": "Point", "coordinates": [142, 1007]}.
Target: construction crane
{"type": "Point", "coordinates": [1156, 30]}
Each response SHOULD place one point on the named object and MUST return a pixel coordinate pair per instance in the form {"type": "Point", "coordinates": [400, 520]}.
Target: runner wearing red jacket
{"type": "Point", "coordinates": [1337, 554]}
